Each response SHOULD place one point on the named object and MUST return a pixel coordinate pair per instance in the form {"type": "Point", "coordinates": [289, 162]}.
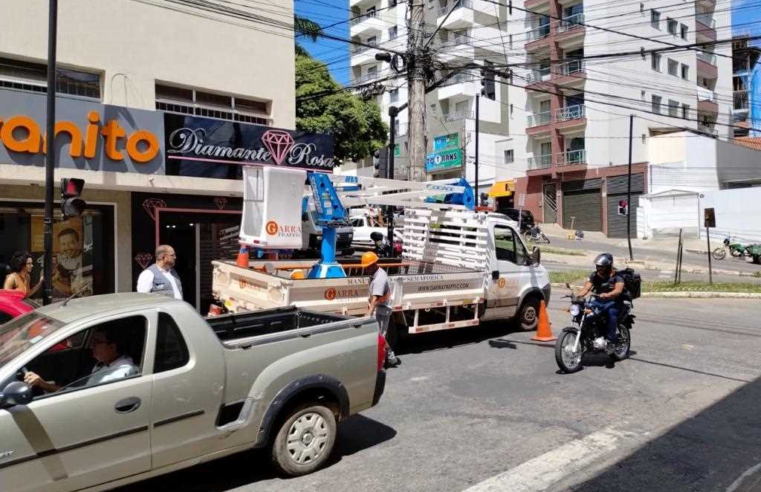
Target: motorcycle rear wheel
{"type": "Point", "coordinates": [567, 360]}
{"type": "Point", "coordinates": [719, 254]}
{"type": "Point", "coordinates": [623, 345]}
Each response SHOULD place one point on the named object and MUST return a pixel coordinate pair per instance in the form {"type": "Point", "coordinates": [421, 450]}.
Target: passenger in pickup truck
{"type": "Point", "coordinates": [112, 363]}
{"type": "Point", "coordinates": [378, 301]}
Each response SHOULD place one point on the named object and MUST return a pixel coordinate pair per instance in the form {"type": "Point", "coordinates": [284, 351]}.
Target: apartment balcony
{"type": "Point", "coordinates": [569, 73]}
{"type": "Point", "coordinates": [538, 123]}
{"type": "Point", "coordinates": [705, 27]}
{"type": "Point", "coordinates": [463, 15]}
{"type": "Point", "coordinates": [536, 78]}
{"type": "Point", "coordinates": [707, 66]}
{"type": "Point", "coordinates": [456, 49]}
{"type": "Point", "coordinates": [707, 101]}
{"type": "Point", "coordinates": [571, 27]}
{"type": "Point", "coordinates": [537, 38]}
{"type": "Point", "coordinates": [539, 162]}
{"type": "Point", "coordinates": [366, 24]}
{"type": "Point", "coordinates": [362, 55]}
{"type": "Point", "coordinates": [458, 116]}
{"type": "Point", "coordinates": [570, 117]}
{"type": "Point", "coordinates": [368, 77]}
{"type": "Point", "coordinates": [706, 4]}
{"type": "Point", "coordinates": [362, 4]}
{"type": "Point", "coordinates": [572, 158]}
{"type": "Point", "coordinates": [459, 88]}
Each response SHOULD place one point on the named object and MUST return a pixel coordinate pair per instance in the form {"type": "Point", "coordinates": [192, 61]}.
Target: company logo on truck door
{"type": "Point", "coordinates": [332, 294]}
{"type": "Point", "coordinates": [275, 229]}
{"type": "Point", "coordinates": [272, 228]}
{"type": "Point", "coordinates": [502, 282]}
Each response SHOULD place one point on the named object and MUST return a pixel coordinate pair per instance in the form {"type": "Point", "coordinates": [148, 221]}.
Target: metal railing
{"type": "Point", "coordinates": [539, 119]}
{"type": "Point", "coordinates": [706, 19]}
{"type": "Point", "coordinates": [538, 33]}
{"type": "Point", "coordinates": [540, 75]}
{"type": "Point", "coordinates": [571, 21]}
{"type": "Point", "coordinates": [363, 17]}
{"type": "Point", "coordinates": [458, 115]}
{"type": "Point", "coordinates": [361, 49]}
{"type": "Point", "coordinates": [540, 162]}
{"type": "Point", "coordinates": [463, 4]}
{"type": "Point", "coordinates": [740, 99]}
{"type": "Point", "coordinates": [368, 77]}
{"type": "Point", "coordinates": [709, 58]}
{"type": "Point", "coordinates": [570, 68]}
{"type": "Point", "coordinates": [570, 113]}
{"type": "Point", "coordinates": [571, 157]}
{"type": "Point", "coordinates": [706, 94]}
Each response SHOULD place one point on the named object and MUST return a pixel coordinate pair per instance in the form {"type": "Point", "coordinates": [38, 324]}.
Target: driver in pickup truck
{"type": "Point", "coordinates": [112, 364]}
{"type": "Point", "coordinates": [609, 288]}
{"type": "Point", "coordinates": [378, 301]}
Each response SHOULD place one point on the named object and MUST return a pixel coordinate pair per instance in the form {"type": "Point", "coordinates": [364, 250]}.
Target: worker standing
{"type": "Point", "coordinates": [378, 301]}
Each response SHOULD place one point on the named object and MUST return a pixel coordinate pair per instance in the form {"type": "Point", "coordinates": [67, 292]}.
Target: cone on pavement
{"type": "Point", "coordinates": [243, 257]}
{"type": "Point", "coordinates": [543, 329]}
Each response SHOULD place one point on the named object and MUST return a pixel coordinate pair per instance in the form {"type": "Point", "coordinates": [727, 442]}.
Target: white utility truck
{"type": "Point", "coordinates": [458, 267]}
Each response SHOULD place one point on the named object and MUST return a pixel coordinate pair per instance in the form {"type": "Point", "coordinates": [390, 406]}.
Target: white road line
{"type": "Point", "coordinates": [742, 478]}
{"type": "Point", "coordinates": [543, 471]}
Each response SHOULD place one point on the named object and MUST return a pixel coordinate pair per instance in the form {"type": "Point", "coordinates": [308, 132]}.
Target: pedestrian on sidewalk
{"type": "Point", "coordinates": [378, 301]}
{"type": "Point", "coordinates": [161, 278]}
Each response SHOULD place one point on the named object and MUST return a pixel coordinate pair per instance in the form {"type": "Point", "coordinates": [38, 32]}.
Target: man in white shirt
{"type": "Point", "coordinates": [161, 278]}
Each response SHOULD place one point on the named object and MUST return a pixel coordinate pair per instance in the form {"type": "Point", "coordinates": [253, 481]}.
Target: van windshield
{"type": "Point", "coordinates": [20, 334]}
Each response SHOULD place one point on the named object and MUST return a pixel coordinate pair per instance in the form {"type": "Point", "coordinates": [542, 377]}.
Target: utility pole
{"type": "Point", "coordinates": [416, 78]}
{"type": "Point", "coordinates": [50, 156]}
{"type": "Point", "coordinates": [478, 119]}
{"type": "Point", "coordinates": [393, 111]}
{"type": "Point", "coordinates": [629, 190]}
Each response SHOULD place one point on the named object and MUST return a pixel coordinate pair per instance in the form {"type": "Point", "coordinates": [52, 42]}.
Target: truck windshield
{"type": "Point", "coordinates": [22, 333]}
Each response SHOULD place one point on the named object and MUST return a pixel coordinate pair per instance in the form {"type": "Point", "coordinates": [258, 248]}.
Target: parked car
{"type": "Point", "coordinates": [525, 217]}
{"type": "Point", "coordinates": [364, 226]}
{"type": "Point", "coordinates": [13, 304]}
{"type": "Point", "coordinates": [197, 390]}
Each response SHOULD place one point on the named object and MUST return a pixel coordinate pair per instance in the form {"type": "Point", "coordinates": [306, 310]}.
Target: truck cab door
{"type": "Point", "coordinates": [508, 260]}
{"type": "Point", "coordinates": [90, 433]}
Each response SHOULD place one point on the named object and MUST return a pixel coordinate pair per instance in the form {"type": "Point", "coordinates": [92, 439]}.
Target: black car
{"type": "Point", "coordinates": [527, 218]}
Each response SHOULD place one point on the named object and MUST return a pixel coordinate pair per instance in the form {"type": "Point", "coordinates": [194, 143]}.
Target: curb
{"type": "Point", "coordinates": [702, 295]}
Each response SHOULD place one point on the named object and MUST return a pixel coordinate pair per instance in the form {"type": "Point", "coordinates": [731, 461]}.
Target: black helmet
{"type": "Point", "coordinates": [604, 260]}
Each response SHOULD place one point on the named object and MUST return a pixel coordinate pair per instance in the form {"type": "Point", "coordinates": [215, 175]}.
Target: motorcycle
{"type": "Point", "coordinates": [535, 234]}
{"type": "Point", "coordinates": [587, 334]}
{"type": "Point", "coordinates": [736, 249]}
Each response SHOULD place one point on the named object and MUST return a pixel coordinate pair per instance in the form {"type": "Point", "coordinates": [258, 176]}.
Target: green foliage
{"type": "Point", "coordinates": [355, 124]}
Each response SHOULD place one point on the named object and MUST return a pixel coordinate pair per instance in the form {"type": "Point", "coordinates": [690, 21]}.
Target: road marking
{"type": "Point", "coordinates": [736, 484]}
{"type": "Point", "coordinates": [419, 378]}
{"type": "Point", "coordinates": [543, 471]}
{"type": "Point", "coordinates": [687, 346]}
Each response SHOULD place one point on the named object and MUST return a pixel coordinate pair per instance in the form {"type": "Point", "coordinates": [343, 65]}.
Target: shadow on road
{"type": "Point", "coordinates": [356, 434]}
{"type": "Point", "coordinates": [716, 450]}
{"type": "Point", "coordinates": [447, 339]}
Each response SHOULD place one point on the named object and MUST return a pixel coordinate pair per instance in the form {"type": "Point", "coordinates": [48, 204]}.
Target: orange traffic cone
{"type": "Point", "coordinates": [242, 260]}
{"type": "Point", "coordinates": [543, 331]}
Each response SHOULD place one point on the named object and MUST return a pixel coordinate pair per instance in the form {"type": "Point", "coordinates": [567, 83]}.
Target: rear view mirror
{"type": "Point", "coordinates": [16, 393]}
{"type": "Point", "coordinates": [536, 255]}
{"type": "Point", "coordinates": [495, 275]}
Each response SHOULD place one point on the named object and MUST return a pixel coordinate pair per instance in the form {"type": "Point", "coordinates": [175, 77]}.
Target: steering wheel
{"type": "Point", "coordinates": [21, 374]}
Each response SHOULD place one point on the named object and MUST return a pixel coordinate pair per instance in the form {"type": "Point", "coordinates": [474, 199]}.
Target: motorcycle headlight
{"type": "Point", "coordinates": [575, 310]}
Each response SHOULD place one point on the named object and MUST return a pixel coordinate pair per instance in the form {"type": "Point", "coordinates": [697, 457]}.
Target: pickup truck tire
{"type": "Point", "coordinates": [305, 440]}
{"type": "Point", "coordinates": [527, 317]}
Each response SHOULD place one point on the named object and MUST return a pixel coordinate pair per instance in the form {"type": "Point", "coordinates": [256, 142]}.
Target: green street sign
{"type": "Point", "coordinates": [450, 141]}
{"type": "Point", "coordinates": [443, 160]}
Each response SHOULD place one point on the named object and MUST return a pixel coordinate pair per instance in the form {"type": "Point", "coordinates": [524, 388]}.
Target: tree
{"type": "Point", "coordinates": [307, 28]}
{"type": "Point", "coordinates": [356, 124]}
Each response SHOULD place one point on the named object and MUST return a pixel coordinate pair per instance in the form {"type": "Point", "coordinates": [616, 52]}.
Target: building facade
{"type": "Point", "coordinates": [157, 108]}
{"type": "Point", "coordinates": [746, 86]}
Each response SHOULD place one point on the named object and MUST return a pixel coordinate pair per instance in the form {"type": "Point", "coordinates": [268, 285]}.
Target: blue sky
{"type": "Point", "coordinates": [325, 13]}
{"type": "Point", "coordinates": [747, 17]}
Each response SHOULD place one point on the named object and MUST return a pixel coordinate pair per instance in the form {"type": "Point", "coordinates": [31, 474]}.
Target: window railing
{"type": "Point", "coordinates": [571, 157]}
{"type": "Point", "coordinates": [570, 68]}
{"type": "Point", "coordinates": [570, 113]}
{"type": "Point", "coordinates": [539, 119]}
{"type": "Point", "coordinates": [458, 115]}
{"type": "Point", "coordinates": [363, 17]}
{"type": "Point", "coordinates": [706, 94]}
{"type": "Point", "coordinates": [706, 20]}
{"type": "Point", "coordinates": [540, 32]}
{"type": "Point", "coordinates": [741, 100]}
{"type": "Point", "coordinates": [368, 77]}
{"type": "Point", "coordinates": [361, 49]}
{"type": "Point", "coordinates": [571, 21]}
{"type": "Point", "coordinates": [540, 162]}
{"type": "Point", "coordinates": [539, 75]}
{"type": "Point", "coordinates": [463, 4]}
{"type": "Point", "coordinates": [709, 58]}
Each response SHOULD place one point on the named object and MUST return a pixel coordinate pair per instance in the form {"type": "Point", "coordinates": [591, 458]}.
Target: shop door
{"type": "Point", "coordinates": [582, 200]}
{"type": "Point", "coordinates": [180, 231]}
{"type": "Point", "coordinates": [550, 203]}
{"type": "Point", "coordinates": [617, 187]}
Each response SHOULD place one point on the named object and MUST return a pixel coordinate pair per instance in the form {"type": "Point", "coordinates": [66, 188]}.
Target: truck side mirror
{"type": "Point", "coordinates": [495, 275]}
{"type": "Point", "coordinates": [16, 393]}
{"type": "Point", "coordinates": [304, 217]}
{"type": "Point", "coordinates": [536, 255]}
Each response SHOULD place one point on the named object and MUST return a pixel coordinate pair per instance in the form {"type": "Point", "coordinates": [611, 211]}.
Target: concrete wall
{"type": "Point", "coordinates": [134, 44]}
{"type": "Point", "coordinates": [664, 215]}
{"type": "Point", "coordinates": [735, 213]}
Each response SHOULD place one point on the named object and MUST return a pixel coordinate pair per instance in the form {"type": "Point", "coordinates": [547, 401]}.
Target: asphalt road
{"type": "Point", "coordinates": [660, 274]}
{"type": "Point", "coordinates": [485, 409]}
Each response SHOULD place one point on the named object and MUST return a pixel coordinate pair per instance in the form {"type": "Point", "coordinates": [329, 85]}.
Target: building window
{"type": "Point", "coordinates": [672, 26]}
{"type": "Point", "coordinates": [392, 3]}
{"type": "Point", "coordinates": [683, 30]}
{"type": "Point", "coordinates": [655, 19]}
{"type": "Point", "coordinates": [510, 41]}
{"type": "Point", "coordinates": [673, 67]}
{"type": "Point", "coordinates": [685, 111]}
{"type": "Point", "coordinates": [393, 32]}
{"type": "Point", "coordinates": [673, 108]}
{"type": "Point", "coordinates": [433, 109]}
{"type": "Point", "coordinates": [656, 62]}
{"type": "Point", "coordinates": [394, 94]}
{"type": "Point", "coordinates": [372, 41]}
{"type": "Point", "coordinates": [509, 157]}
{"type": "Point", "coordinates": [657, 104]}
{"type": "Point", "coordinates": [33, 77]}
{"type": "Point", "coordinates": [685, 72]}
{"type": "Point", "coordinates": [209, 105]}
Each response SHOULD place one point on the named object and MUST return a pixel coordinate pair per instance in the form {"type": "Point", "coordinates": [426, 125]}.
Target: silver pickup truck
{"type": "Point", "coordinates": [124, 387]}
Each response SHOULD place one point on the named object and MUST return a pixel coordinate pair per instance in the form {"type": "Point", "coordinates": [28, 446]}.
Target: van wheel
{"type": "Point", "coordinates": [528, 314]}
{"type": "Point", "coordinates": [305, 440]}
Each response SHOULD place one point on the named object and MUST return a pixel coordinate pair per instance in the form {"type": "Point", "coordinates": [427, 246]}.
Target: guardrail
{"type": "Point", "coordinates": [540, 162]}
{"type": "Point", "coordinates": [570, 113]}
{"type": "Point", "coordinates": [570, 22]}
{"type": "Point", "coordinates": [539, 119]}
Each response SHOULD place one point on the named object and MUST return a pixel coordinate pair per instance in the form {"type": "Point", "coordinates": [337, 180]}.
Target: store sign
{"type": "Point", "coordinates": [192, 140]}
{"type": "Point", "coordinates": [397, 150]}
{"type": "Point", "coordinates": [89, 135]}
{"type": "Point", "coordinates": [450, 141]}
{"type": "Point", "coordinates": [443, 160]}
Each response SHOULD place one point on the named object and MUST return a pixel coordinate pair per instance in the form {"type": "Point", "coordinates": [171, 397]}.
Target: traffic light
{"type": "Point", "coordinates": [380, 163]}
{"type": "Point", "coordinates": [72, 204]}
{"type": "Point", "coordinates": [487, 84]}
{"type": "Point", "coordinates": [623, 208]}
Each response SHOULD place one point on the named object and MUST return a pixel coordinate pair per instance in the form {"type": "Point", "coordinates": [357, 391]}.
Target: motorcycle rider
{"type": "Point", "coordinates": [609, 287]}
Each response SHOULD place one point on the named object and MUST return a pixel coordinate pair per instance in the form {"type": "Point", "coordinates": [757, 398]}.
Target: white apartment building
{"type": "Point", "coordinates": [155, 81]}
{"type": "Point", "coordinates": [571, 143]}
{"type": "Point", "coordinates": [471, 32]}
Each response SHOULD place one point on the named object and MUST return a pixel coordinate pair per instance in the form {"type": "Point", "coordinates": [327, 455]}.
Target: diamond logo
{"type": "Point", "coordinates": [278, 143]}
{"type": "Point", "coordinates": [143, 259]}
{"type": "Point", "coordinates": [151, 204]}
{"type": "Point", "coordinates": [220, 202]}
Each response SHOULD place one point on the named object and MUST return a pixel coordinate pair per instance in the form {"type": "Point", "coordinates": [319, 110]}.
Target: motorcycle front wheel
{"type": "Point", "coordinates": [568, 361]}
{"type": "Point", "coordinates": [719, 254]}
{"type": "Point", "coordinates": [623, 345]}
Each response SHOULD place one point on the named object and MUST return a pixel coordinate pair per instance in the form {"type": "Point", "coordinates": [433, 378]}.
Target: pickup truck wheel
{"type": "Point", "coordinates": [528, 314]}
{"type": "Point", "coordinates": [305, 440]}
